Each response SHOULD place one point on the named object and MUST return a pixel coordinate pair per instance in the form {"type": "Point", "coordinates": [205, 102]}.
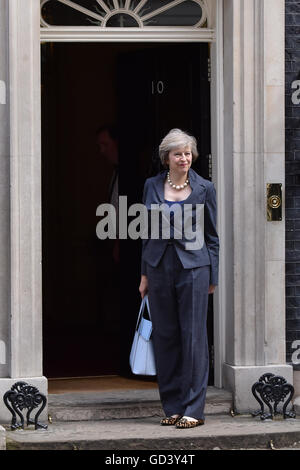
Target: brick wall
{"type": "Point", "coordinates": [292, 108]}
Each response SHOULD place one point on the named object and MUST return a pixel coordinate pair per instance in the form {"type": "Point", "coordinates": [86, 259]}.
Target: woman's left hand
{"type": "Point", "coordinates": [211, 289]}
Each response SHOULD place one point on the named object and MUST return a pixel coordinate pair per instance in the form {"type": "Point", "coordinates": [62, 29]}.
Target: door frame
{"type": "Point", "coordinates": [170, 35]}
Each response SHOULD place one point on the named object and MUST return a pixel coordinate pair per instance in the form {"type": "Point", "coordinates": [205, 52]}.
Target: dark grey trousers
{"type": "Point", "coordinates": [178, 300]}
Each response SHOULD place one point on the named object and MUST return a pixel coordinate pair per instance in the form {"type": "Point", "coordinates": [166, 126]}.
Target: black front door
{"type": "Point", "coordinates": [90, 303]}
{"type": "Point", "coordinates": [159, 88]}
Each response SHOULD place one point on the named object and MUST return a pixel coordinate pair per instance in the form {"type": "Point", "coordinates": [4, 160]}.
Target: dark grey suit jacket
{"type": "Point", "coordinates": [203, 192]}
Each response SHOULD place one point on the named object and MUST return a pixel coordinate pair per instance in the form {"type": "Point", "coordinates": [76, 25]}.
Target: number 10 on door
{"type": "Point", "coordinates": [157, 87]}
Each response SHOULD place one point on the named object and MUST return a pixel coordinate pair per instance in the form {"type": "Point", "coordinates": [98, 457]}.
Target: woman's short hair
{"type": "Point", "coordinates": [174, 139]}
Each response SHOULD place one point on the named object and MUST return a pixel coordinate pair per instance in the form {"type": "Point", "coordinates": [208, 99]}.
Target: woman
{"type": "Point", "coordinates": [178, 281]}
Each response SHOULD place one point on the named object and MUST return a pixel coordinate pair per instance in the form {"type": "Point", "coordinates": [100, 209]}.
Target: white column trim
{"type": "Point", "coordinates": [218, 174]}
{"type": "Point", "coordinates": [254, 142]}
{"type": "Point", "coordinates": [25, 188]}
{"type": "Point", "coordinates": [95, 34]}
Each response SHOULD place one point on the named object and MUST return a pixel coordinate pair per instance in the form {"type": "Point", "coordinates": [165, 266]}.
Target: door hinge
{"type": "Point", "coordinates": [210, 166]}
{"type": "Point", "coordinates": [208, 69]}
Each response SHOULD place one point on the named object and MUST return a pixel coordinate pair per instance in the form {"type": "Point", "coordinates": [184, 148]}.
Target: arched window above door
{"type": "Point", "coordinates": [126, 13]}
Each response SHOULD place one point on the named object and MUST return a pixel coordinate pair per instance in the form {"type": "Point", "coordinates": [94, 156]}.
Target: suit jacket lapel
{"type": "Point", "coordinates": [195, 183]}
{"type": "Point", "coordinates": [161, 186]}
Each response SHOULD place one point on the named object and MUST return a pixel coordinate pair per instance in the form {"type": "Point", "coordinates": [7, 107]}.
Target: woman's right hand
{"type": "Point", "coordinates": [143, 286]}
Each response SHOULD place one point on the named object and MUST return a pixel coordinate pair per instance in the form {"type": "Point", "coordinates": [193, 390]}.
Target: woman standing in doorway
{"type": "Point", "coordinates": [178, 281]}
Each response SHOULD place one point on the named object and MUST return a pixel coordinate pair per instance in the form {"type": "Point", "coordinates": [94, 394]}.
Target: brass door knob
{"type": "Point", "coordinates": [274, 202]}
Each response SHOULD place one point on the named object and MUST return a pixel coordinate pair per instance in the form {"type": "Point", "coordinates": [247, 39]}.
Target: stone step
{"type": "Point", "coordinates": [219, 432]}
{"type": "Point", "coordinates": [123, 404]}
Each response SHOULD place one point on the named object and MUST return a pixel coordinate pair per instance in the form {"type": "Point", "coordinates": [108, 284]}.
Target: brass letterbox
{"type": "Point", "coordinates": [274, 201]}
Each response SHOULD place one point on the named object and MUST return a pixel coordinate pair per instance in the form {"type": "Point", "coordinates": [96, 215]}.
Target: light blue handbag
{"type": "Point", "coordinates": [142, 361]}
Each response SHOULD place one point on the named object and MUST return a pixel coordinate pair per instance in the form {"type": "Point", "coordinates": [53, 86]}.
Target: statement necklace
{"type": "Point", "coordinates": [179, 186]}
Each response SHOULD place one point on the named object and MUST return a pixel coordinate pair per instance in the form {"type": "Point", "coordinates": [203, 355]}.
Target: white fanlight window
{"type": "Point", "coordinates": [126, 13]}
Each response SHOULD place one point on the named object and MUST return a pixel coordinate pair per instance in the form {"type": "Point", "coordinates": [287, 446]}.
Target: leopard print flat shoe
{"type": "Point", "coordinates": [185, 423]}
{"type": "Point", "coordinates": [170, 420]}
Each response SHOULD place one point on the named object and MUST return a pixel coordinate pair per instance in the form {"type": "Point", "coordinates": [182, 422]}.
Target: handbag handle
{"type": "Point", "coordinates": [148, 306]}
{"type": "Point", "coordinates": [142, 307]}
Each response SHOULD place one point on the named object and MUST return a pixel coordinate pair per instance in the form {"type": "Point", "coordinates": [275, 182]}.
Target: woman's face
{"type": "Point", "coordinates": [180, 159]}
